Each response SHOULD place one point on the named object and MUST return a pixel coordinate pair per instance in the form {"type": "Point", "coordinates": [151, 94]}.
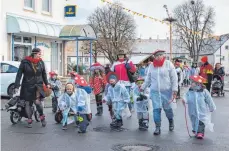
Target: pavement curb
{"type": "Point", "coordinates": [226, 89]}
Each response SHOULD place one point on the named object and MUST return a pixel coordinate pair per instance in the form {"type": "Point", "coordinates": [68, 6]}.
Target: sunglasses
{"type": "Point", "coordinates": [157, 55]}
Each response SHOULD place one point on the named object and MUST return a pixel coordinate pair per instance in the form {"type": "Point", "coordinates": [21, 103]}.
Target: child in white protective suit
{"type": "Point", "coordinates": [141, 103]}
{"type": "Point", "coordinates": [74, 102]}
{"type": "Point", "coordinates": [118, 96]}
{"type": "Point", "coordinates": [200, 104]}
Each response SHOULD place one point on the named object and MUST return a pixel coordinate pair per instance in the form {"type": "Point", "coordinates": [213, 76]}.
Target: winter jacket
{"type": "Point", "coordinates": [206, 71]}
{"type": "Point", "coordinates": [32, 81]}
{"type": "Point", "coordinates": [120, 69]}
{"type": "Point", "coordinates": [162, 78]}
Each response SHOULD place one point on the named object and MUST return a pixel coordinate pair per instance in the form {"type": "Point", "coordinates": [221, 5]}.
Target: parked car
{"type": "Point", "coordinates": [8, 74]}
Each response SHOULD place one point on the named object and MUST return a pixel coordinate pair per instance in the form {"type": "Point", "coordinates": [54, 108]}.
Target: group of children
{"type": "Point", "coordinates": [76, 99]}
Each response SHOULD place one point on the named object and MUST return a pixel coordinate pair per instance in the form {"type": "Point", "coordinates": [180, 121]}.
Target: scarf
{"type": "Point", "coordinates": [158, 63]}
{"type": "Point", "coordinates": [33, 60]}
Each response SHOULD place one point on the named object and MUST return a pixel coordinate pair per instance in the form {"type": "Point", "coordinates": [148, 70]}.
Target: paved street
{"type": "Point", "coordinates": [53, 138]}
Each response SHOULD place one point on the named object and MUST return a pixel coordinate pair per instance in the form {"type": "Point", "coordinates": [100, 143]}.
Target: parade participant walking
{"type": "Point", "coordinates": [34, 76]}
{"type": "Point", "coordinates": [67, 103]}
{"type": "Point", "coordinates": [220, 71]}
{"type": "Point", "coordinates": [206, 71]}
{"type": "Point", "coordinates": [124, 68]}
{"type": "Point", "coordinates": [194, 70]}
{"type": "Point", "coordinates": [55, 84]}
{"type": "Point", "coordinates": [98, 83]}
{"type": "Point", "coordinates": [141, 105]}
{"type": "Point", "coordinates": [186, 74]}
{"type": "Point", "coordinates": [179, 76]}
{"type": "Point", "coordinates": [72, 77]}
{"type": "Point", "coordinates": [163, 81]}
{"type": "Point", "coordinates": [118, 96]}
{"type": "Point", "coordinates": [199, 103]}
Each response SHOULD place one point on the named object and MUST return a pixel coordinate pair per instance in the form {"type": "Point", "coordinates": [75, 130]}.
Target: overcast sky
{"type": "Point", "coordinates": [154, 8]}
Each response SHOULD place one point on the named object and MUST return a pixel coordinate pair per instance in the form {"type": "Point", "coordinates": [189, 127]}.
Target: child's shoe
{"type": "Point", "coordinates": [200, 136]}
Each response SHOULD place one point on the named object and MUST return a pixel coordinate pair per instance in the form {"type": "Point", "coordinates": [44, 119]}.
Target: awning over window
{"type": "Point", "coordinates": [81, 32]}
{"type": "Point", "coordinates": [17, 24]}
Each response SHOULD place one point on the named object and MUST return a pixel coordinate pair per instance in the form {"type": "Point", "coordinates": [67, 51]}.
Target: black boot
{"type": "Point", "coordinates": [140, 124]}
{"type": "Point", "coordinates": [101, 109]}
{"type": "Point", "coordinates": [98, 111]}
{"type": "Point", "coordinates": [158, 129]}
{"type": "Point", "coordinates": [145, 124]}
{"type": "Point", "coordinates": [119, 124]}
{"type": "Point", "coordinates": [171, 125]}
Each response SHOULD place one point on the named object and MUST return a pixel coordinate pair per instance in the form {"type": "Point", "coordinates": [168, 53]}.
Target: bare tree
{"type": "Point", "coordinates": [115, 29]}
{"type": "Point", "coordinates": [194, 24]}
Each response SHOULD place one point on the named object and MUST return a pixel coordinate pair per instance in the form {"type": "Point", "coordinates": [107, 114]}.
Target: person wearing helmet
{"type": "Point", "coordinates": [200, 103]}
{"type": "Point", "coordinates": [206, 71]}
{"type": "Point", "coordinates": [55, 84]}
{"type": "Point", "coordinates": [163, 81]}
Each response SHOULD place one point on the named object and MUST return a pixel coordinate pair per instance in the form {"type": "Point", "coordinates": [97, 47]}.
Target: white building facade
{"type": "Point", "coordinates": [26, 24]}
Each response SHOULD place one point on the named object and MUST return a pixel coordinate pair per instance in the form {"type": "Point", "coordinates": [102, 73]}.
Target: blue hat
{"type": "Point", "coordinates": [112, 75]}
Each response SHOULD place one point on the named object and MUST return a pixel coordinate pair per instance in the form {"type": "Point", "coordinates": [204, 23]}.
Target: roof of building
{"type": "Point", "coordinates": [215, 45]}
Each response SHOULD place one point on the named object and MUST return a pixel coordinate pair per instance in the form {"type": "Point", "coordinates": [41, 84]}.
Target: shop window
{"type": "Point", "coordinates": [29, 4]}
{"type": "Point", "coordinates": [46, 6]}
{"type": "Point", "coordinates": [17, 38]}
{"type": "Point", "coordinates": [86, 59]}
{"type": "Point", "coordinates": [27, 40]}
{"type": "Point", "coordinates": [6, 68]}
{"type": "Point", "coordinates": [80, 59]}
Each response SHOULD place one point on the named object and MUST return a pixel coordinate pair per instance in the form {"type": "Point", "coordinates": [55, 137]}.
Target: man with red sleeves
{"type": "Point", "coordinates": [206, 71]}
{"type": "Point", "coordinates": [120, 67]}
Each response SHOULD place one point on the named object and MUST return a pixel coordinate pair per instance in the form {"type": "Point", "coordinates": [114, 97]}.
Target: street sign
{"type": "Point", "coordinates": [70, 11]}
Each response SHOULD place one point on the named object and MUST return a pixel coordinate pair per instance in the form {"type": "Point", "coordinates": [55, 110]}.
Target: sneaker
{"type": "Point", "coordinates": [29, 123]}
{"type": "Point", "coordinates": [43, 121]}
{"type": "Point", "coordinates": [200, 136]}
{"type": "Point", "coordinates": [65, 127]}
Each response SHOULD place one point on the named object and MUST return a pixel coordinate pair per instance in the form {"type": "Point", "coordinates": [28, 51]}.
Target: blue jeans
{"type": "Point", "coordinates": [157, 114]}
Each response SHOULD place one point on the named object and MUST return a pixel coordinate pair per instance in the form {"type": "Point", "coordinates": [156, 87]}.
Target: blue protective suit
{"type": "Point", "coordinates": [79, 99]}
{"type": "Point", "coordinates": [119, 97]}
{"type": "Point", "coordinates": [141, 107]}
{"type": "Point", "coordinates": [163, 81]}
{"type": "Point", "coordinates": [200, 104]}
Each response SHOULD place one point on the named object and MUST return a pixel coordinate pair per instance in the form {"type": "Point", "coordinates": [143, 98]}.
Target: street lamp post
{"type": "Point", "coordinates": [170, 20]}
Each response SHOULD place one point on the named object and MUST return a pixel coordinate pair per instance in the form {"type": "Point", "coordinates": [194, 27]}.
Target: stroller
{"type": "Point", "coordinates": [217, 86]}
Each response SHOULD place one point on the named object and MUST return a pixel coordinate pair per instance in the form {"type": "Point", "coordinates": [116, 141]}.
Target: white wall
{"type": "Point", "coordinates": [224, 53]}
{"type": "Point", "coordinates": [17, 7]}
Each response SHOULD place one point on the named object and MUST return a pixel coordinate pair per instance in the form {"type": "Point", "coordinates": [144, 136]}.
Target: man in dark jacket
{"type": "Point", "coordinates": [34, 76]}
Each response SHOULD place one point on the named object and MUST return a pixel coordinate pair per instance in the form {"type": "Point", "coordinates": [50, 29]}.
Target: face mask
{"type": "Point", "coordinates": [198, 87]}
{"type": "Point", "coordinates": [69, 93]}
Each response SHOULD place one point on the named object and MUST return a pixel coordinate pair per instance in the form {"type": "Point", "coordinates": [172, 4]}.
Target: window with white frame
{"type": "Point", "coordinates": [86, 59]}
{"type": "Point", "coordinates": [46, 6]}
{"type": "Point", "coordinates": [29, 4]}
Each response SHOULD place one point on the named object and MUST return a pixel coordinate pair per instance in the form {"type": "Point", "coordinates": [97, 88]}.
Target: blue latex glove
{"type": "Point", "coordinates": [80, 108]}
{"type": "Point", "coordinates": [128, 66]}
